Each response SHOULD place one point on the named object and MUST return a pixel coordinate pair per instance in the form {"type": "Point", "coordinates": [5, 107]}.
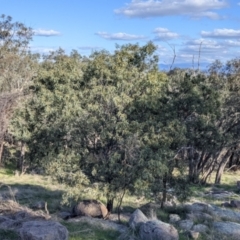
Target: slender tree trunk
{"type": "Point", "coordinates": [120, 204]}
{"type": "Point", "coordinates": [222, 166]}
{"type": "Point", "coordinates": [21, 159]}
{"type": "Point", "coordinates": [164, 194]}
{"type": "Point", "coordinates": [208, 167]}
{"type": "Point", "coordinates": [1, 153]}
{"type": "Point", "coordinates": [192, 167]}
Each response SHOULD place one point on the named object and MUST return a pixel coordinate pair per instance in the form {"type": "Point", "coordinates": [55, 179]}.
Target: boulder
{"type": "Point", "coordinates": [157, 230]}
{"type": "Point", "coordinates": [43, 230]}
{"type": "Point", "coordinates": [199, 217]}
{"type": "Point", "coordinates": [214, 211]}
{"type": "Point", "coordinates": [235, 203]}
{"type": "Point", "coordinates": [185, 224]}
{"type": "Point", "coordinates": [173, 218]}
{"type": "Point", "coordinates": [201, 228]}
{"type": "Point", "coordinates": [226, 214]}
{"type": "Point", "coordinates": [90, 208]}
{"type": "Point", "coordinates": [199, 207]}
{"type": "Point", "coordinates": [229, 229]}
{"type": "Point", "coordinates": [9, 224]}
{"type": "Point", "coordinates": [238, 185]}
{"type": "Point", "coordinates": [136, 218]}
{"type": "Point", "coordinates": [226, 205]}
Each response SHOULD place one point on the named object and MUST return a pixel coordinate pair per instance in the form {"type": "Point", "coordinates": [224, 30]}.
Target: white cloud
{"type": "Point", "coordinates": [156, 8]}
{"type": "Point", "coordinates": [163, 34]}
{"type": "Point", "coordinates": [42, 50]}
{"type": "Point", "coordinates": [221, 33]}
{"type": "Point", "coordinates": [120, 36]}
{"type": "Point", "coordinates": [207, 50]}
{"type": "Point", "coordinates": [45, 33]}
{"type": "Point", "coordinates": [205, 46]}
{"type": "Point", "coordinates": [232, 43]}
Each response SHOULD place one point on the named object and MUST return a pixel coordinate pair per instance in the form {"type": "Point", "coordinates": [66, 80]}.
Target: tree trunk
{"type": "Point", "coordinates": [164, 194]}
{"type": "Point", "coordinates": [1, 153]}
{"type": "Point", "coordinates": [222, 166]}
{"type": "Point", "coordinates": [193, 162]}
{"type": "Point", "coordinates": [208, 167]}
{"type": "Point", "coordinates": [120, 204]}
{"type": "Point", "coordinates": [20, 164]}
{"type": "Point", "coordinates": [110, 204]}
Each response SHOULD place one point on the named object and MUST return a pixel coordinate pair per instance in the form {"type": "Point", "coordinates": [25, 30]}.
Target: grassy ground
{"type": "Point", "coordinates": [28, 189]}
{"type": "Point", "coordinates": [84, 231]}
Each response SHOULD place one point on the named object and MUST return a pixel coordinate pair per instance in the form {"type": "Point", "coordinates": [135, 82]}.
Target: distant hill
{"type": "Point", "coordinates": [166, 67]}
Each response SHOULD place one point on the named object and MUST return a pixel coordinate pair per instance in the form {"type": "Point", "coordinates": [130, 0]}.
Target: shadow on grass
{"type": "Point", "coordinates": [8, 235]}
{"type": "Point", "coordinates": [28, 195]}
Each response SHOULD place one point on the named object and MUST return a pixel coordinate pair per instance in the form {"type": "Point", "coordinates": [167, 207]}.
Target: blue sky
{"type": "Point", "coordinates": [179, 26]}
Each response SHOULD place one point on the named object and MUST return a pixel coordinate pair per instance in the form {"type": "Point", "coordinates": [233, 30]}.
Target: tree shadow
{"type": "Point", "coordinates": [29, 194]}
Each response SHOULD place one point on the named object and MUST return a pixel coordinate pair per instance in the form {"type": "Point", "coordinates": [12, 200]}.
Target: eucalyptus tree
{"type": "Point", "coordinates": [111, 138]}
{"type": "Point", "coordinates": [196, 102]}
{"type": "Point", "coordinates": [46, 119]}
{"type": "Point", "coordinates": [16, 66]}
{"type": "Point", "coordinates": [228, 75]}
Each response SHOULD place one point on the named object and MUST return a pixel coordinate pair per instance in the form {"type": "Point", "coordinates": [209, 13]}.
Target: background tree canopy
{"type": "Point", "coordinates": [115, 120]}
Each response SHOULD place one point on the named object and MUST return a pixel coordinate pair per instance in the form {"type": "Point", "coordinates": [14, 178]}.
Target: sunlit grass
{"type": "Point", "coordinates": [31, 188]}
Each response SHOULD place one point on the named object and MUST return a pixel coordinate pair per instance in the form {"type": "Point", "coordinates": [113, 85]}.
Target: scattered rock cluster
{"type": "Point", "coordinates": [30, 225]}
{"type": "Point", "coordinates": [154, 229]}
{"type": "Point", "coordinates": [208, 219]}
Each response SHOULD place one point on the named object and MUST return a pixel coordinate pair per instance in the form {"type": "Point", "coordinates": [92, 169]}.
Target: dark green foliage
{"type": "Point", "coordinates": [8, 235]}
{"type": "Point", "coordinates": [115, 120]}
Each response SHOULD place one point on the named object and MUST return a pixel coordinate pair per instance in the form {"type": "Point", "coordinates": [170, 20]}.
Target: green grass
{"type": "Point", "coordinates": [28, 189]}
{"type": "Point", "coordinates": [83, 231]}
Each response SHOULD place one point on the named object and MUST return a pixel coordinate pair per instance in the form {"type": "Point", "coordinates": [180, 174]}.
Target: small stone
{"type": "Point", "coordinates": [193, 234]}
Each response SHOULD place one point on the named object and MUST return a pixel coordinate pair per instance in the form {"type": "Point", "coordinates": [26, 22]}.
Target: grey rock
{"type": "Point", "coordinates": [238, 185]}
{"type": "Point", "coordinates": [235, 203]}
{"type": "Point", "coordinates": [43, 230]}
{"type": "Point", "coordinates": [157, 230]}
{"type": "Point", "coordinates": [201, 228]}
{"type": "Point", "coordinates": [199, 207]}
{"type": "Point", "coordinates": [229, 229]}
{"type": "Point", "coordinates": [185, 224]}
{"type": "Point", "coordinates": [3, 219]}
{"type": "Point", "coordinates": [173, 218]}
{"type": "Point", "coordinates": [226, 214]}
{"type": "Point", "coordinates": [136, 218]}
{"type": "Point", "coordinates": [199, 217]}
{"type": "Point", "coordinates": [10, 224]}
{"type": "Point", "coordinates": [21, 215]}
{"type": "Point", "coordinates": [226, 205]}
{"type": "Point", "coordinates": [214, 211]}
